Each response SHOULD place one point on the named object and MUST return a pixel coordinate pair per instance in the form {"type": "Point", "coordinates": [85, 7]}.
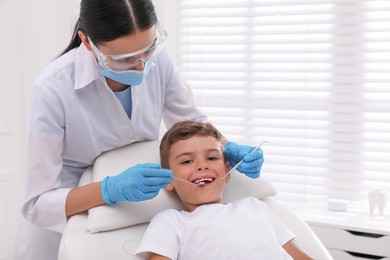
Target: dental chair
{"type": "Point", "coordinates": [114, 232]}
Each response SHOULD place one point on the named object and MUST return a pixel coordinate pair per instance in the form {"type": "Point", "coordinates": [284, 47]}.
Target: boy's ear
{"type": "Point", "coordinates": [227, 169]}
{"type": "Point", "coordinates": [169, 187]}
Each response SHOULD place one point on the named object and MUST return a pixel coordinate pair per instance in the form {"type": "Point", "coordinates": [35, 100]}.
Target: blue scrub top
{"type": "Point", "coordinates": [125, 99]}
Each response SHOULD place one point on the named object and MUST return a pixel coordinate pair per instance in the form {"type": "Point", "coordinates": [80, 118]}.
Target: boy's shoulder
{"type": "Point", "coordinates": [248, 200]}
{"type": "Point", "coordinates": [166, 214]}
{"type": "Point", "coordinates": [251, 205]}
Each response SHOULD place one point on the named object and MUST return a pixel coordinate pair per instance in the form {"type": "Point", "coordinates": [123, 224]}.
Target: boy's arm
{"type": "Point", "coordinates": [154, 256]}
{"type": "Point", "coordinates": [294, 251]}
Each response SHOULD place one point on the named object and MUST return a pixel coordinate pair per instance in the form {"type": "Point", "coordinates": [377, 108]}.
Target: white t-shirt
{"type": "Point", "coordinates": [242, 229]}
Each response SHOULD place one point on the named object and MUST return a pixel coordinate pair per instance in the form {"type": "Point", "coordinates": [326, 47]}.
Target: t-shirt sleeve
{"type": "Point", "coordinates": [161, 237]}
{"type": "Point", "coordinates": [283, 234]}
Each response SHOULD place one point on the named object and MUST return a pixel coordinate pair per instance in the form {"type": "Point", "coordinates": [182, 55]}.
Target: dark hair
{"type": "Point", "coordinates": [184, 130]}
{"type": "Point", "coordinates": [106, 20]}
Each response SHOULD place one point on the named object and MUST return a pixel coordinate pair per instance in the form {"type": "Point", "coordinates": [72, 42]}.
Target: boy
{"type": "Point", "coordinates": [209, 228]}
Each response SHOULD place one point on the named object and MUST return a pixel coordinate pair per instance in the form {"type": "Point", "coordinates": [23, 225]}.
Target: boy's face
{"type": "Point", "coordinates": [198, 158]}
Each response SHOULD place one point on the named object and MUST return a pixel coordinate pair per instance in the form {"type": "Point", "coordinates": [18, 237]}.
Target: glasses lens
{"type": "Point", "coordinates": [122, 62]}
{"type": "Point", "coordinates": [129, 61]}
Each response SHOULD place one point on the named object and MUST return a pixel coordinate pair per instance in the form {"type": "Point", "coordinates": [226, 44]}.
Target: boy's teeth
{"type": "Point", "coordinates": [203, 180]}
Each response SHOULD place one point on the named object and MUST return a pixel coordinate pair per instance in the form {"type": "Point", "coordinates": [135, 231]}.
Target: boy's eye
{"type": "Point", "coordinates": [186, 162]}
{"type": "Point", "coordinates": [213, 158]}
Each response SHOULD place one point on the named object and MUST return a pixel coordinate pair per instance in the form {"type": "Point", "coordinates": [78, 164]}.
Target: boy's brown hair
{"type": "Point", "coordinates": [182, 131]}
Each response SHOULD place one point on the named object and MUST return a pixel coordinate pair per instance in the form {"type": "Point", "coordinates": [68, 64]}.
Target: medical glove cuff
{"type": "Point", "coordinates": [105, 195]}
{"type": "Point", "coordinates": [230, 153]}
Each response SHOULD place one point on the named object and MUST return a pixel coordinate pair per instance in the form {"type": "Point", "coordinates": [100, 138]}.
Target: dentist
{"type": "Point", "coordinates": [112, 86]}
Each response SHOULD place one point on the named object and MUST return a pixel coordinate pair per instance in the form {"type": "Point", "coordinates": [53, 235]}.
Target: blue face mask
{"type": "Point", "coordinates": [128, 77]}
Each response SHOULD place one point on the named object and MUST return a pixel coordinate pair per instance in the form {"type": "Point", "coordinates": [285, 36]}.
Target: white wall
{"type": "Point", "coordinates": [32, 34]}
{"type": "Point", "coordinates": [166, 12]}
{"type": "Point", "coordinates": [10, 129]}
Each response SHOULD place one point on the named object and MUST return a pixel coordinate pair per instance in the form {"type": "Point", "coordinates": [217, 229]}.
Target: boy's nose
{"type": "Point", "coordinates": [202, 166]}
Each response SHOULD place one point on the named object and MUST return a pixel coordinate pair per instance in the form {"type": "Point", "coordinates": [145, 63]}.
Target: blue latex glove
{"type": "Point", "coordinates": [137, 183]}
{"type": "Point", "coordinates": [252, 163]}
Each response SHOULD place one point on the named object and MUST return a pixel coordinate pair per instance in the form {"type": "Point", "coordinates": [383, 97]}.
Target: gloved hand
{"type": "Point", "coordinates": [252, 163]}
{"type": "Point", "coordinates": [137, 183]}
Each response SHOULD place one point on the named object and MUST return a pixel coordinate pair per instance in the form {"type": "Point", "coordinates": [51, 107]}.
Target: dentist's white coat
{"type": "Point", "coordinates": [74, 118]}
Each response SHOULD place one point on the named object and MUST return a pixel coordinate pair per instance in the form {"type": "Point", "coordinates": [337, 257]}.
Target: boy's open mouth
{"type": "Point", "coordinates": [203, 181]}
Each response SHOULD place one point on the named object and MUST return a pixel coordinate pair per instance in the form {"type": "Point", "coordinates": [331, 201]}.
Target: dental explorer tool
{"type": "Point", "coordinates": [197, 184]}
{"type": "Point", "coordinates": [238, 164]}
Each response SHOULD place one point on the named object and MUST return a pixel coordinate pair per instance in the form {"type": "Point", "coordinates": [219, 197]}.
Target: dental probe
{"type": "Point", "coordinates": [197, 184]}
{"type": "Point", "coordinates": [238, 164]}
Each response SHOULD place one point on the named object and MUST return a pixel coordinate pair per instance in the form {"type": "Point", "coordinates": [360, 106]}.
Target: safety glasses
{"type": "Point", "coordinates": [120, 62]}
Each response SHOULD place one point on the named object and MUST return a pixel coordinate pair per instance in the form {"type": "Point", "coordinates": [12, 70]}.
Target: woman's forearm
{"type": "Point", "coordinates": [83, 198]}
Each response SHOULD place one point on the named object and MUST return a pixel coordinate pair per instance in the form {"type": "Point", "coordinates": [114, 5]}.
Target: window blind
{"type": "Point", "coordinates": [310, 77]}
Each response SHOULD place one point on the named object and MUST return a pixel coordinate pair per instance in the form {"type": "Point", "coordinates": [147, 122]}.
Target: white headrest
{"type": "Point", "coordinates": [125, 214]}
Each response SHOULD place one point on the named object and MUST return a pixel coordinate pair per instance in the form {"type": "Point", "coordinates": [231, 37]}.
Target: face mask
{"type": "Point", "coordinates": [128, 77]}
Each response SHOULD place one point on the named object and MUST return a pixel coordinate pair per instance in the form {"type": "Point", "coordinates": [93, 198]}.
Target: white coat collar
{"type": "Point", "coordinates": [86, 70]}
